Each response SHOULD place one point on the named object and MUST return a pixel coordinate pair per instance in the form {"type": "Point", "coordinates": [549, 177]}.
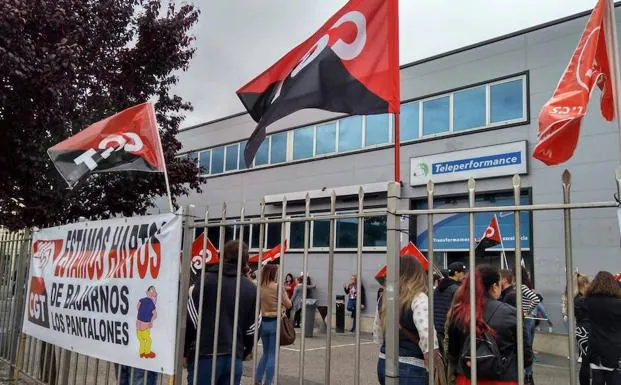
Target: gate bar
{"type": "Point", "coordinates": [359, 283]}
{"type": "Point", "coordinates": [281, 276]}
{"type": "Point", "coordinates": [240, 251]}
{"type": "Point", "coordinates": [471, 269]}
{"type": "Point", "coordinates": [257, 305]}
{"type": "Point", "coordinates": [304, 285]}
{"type": "Point", "coordinates": [216, 334]}
{"type": "Point", "coordinates": [569, 272]}
{"type": "Point", "coordinates": [430, 260]}
{"type": "Point", "coordinates": [330, 287]}
{"type": "Point", "coordinates": [391, 292]}
{"type": "Point", "coordinates": [519, 315]}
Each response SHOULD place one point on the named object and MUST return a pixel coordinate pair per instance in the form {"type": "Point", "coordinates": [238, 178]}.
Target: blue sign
{"type": "Point", "coordinates": [451, 232]}
{"type": "Point", "coordinates": [468, 164]}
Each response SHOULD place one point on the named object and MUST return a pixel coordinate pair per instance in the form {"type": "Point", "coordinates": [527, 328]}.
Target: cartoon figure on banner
{"type": "Point", "coordinates": [146, 315]}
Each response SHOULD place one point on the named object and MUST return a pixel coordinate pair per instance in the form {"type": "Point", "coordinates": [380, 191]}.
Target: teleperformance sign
{"type": "Point", "coordinates": [482, 162]}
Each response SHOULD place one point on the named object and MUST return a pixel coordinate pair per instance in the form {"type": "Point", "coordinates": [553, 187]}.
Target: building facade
{"type": "Point", "coordinates": [470, 112]}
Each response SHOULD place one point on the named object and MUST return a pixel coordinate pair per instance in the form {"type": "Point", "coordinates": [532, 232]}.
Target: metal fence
{"type": "Point", "coordinates": [47, 364]}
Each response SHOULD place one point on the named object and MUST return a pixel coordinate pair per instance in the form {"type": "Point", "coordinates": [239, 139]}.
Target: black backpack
{"type": "Point", "coordinates": [491, 364]}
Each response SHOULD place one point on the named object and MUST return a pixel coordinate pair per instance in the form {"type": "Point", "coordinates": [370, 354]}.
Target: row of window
{"type": "Point", "coordinates": [374, 234]}
{"type": "Point", "coordinates": [488, 105]}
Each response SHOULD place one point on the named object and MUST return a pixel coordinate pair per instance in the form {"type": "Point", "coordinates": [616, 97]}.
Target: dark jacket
{"type": "Point", "coordinates": [363, 295]}
{"type": "Point", "coordinates": [581, 311]}
{"type": "Point", "coordinates": [605, 338]}
{"type": "Point", "coordinates": [407, 346]}
{"type": "Point", "coordinates": [508, 296]}
{"type": "Point", "coordinates": [501, 317]}
{"type": "Point", "coordinates": [247, 304]}
{"type": "Point", "coordinates": [442, 302]}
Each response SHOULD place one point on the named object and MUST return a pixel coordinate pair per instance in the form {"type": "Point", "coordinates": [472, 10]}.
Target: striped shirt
{"type": "Point", "coordinates": [530, 300]}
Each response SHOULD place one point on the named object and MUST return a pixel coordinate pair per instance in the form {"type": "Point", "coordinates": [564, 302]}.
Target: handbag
{"type": "Point", "coordinates": [351, 305]}
{"type": "Point", "coordinates": [287, 332]}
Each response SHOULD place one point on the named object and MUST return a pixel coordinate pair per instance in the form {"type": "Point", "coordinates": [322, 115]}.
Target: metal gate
{"type": "Point", "coordinates": [43, 363]}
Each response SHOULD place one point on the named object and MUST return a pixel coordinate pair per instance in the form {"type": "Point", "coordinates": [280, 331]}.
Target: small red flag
{"type": "Point", "coordinates": [127, 141]}
{"type": "Point", "coordinates": [409, 249]}
{"type": "Point", "coordinates": [270, 255]}
{"type": "Point", "coordinates": [490, 238]}
{"type": "Point", "coordinates": [350, 65]}
{"type": "Point", "coordinates": [199, 259]}
{"type": "Point", "coordinates": [590, 65]}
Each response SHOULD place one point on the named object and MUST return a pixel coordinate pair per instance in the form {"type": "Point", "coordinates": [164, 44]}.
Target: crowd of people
{"type": "Point", "coordinates": [597, 314]}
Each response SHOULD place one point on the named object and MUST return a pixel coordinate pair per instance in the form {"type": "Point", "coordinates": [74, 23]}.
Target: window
{"type": "Point", "coordinates": [229, 233]}
{"type": "Point", "coordinates": [409, 121]}
{"type": "Point", "coordinates": [350, 133]}
{"type": "Point", "coordinates": [204, 162]}
{"type": "Point", "coordinates": [321, 233]}
{"type": "Point", "coordinates": [242, 161]}
{"type": "Point", "coordinates": [347, 233]}
{"type": "Point", "coordinates": [279, 148]}
{"type": "Point", "coordinates": [273, 235]}
{"type": "Point", "coordinates": [326, 138]}
{"type": "Point", "coordinates": [376, 129]}
{"type": "Point", "coordinates": [213, 233]}
{"type": "Point", "coordinates": [217, 160]}
{"type": "Point", "coordinates": [303, 143]}
{"type": "Point", "coordinates": [256, 229]}
{"type": "Point", "coordinates": [375, 232]}
{"type": "Point", "coordinates": [469, 109]}
{"type": "Point", "coordinates": [507, 101]}
{"type": "Point", "coordinates": [436, 116]}
{"type": "Point", "coordinates": [232, 156]}
{"type": "Point", "coordinates": [262, 156]}
{"type": "Point", "coordinates": [296, 235]}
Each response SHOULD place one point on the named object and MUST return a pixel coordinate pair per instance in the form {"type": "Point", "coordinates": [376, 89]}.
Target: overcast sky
{"type": "Point", "coordinates": [238, 39]}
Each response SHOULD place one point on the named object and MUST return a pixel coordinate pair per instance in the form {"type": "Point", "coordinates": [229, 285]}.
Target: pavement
{"type": "Point", "coordinates": [549, 370]}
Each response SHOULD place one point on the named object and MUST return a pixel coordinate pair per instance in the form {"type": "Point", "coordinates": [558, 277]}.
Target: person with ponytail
{"type": "Point", "coordinates": [414, 333]}
{"type": "Point", "coordinates": [493, 318]}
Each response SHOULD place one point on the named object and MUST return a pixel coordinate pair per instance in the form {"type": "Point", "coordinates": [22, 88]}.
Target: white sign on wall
{"type": "Point", "coordinates": [481, 162]}
{"type": "Point", "coordinates": [108, 289]}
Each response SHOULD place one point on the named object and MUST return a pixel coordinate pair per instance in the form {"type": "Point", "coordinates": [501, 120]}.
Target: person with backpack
{"type": "Point", "coordinates": [414, 328]}
{"type": "Point", "coordinates": [496, 328]}
{"type": "Point", "coordinates": [443, 297]}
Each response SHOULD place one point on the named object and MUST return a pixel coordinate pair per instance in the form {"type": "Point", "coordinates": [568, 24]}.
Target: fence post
{"type": "Point", "coordinates": [518, 278]}
{"type": "Point", "coordinates": [569, 271]}
{"type": "Point", "coordinates": [20, 281]}
{"type": "Point", "coordinates": [472, 271]}
{"type": "Point", "coordinates": [431, 264]}
{"type": "Point", "coordinates": [188, 237]}
{"type": "Point", "coordinates": [391, 292]}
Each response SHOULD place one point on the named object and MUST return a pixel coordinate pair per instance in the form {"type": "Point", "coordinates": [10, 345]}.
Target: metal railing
{"type": "Point", "coordinates": [46, 364]}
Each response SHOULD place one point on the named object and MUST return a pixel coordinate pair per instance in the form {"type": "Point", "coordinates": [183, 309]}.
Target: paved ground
{"type": "Point", "coordinates": [549, 369]}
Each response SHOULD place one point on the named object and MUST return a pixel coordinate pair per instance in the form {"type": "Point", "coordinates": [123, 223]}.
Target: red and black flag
{"type": "Point", "coordinates": [126, 141]}
{"type": "Point", "coordinates": [491, 238]}
{"type": "Point", "coordinates": [594, 63]}
{"type": "Point", "coordinates": [350, 65]}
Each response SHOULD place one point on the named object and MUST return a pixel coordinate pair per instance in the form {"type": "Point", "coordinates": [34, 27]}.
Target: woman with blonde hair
{"type": "Point", "coordinates": [269, 314]}
{"type": "Point", "coordinates": [413, 325]}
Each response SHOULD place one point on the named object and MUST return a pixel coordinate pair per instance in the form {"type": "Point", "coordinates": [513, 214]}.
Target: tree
{"type": "Point", "coordinates": [65, 64]}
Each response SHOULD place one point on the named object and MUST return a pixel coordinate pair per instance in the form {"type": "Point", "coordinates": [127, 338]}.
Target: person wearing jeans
{"type": "Point", "coordinates": [223, 370]}
{"type": "Point", "coordinates": [269, 321]}
{"type": "Point", "coordinates": [125, 377]}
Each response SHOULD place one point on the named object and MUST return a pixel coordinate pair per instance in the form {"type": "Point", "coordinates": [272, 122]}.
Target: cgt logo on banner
{"type": "Point", "coordinates": [97, 288]}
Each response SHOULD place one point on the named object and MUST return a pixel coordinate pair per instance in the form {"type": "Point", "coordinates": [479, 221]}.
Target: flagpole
{"type": "Point", "coordinates": [397, 139]}
{"type": "Point", "coordinates": [503, 257]}
{"type": "Point", "coordinates": [616, 81]}
{"type": "Point", "coordinates": [159, 138]}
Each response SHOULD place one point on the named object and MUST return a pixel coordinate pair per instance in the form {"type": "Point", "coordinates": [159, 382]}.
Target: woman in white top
{"type": "Point", "coordinates": [413, 325]}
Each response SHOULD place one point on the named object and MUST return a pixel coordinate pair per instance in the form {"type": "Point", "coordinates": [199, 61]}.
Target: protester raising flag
{"type": "Point", "coordinates": [350, 65]}
{"type": "Point", "coordinates": [127, 141]}
{"type": "Point", "coordinates": [590, 65]}
{"type": "Point", "coordinates": [491, 238]}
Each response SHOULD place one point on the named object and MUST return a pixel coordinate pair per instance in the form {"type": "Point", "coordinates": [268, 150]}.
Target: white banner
{"type": "Point", "coordinates": [108, 289]}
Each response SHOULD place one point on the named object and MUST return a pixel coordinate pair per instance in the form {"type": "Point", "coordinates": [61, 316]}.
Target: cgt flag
{"type": "Point", "coordinates": [126, 141]}
{"type": "Point", "coordinates": [590, 65]}
{"type": "Point", "coordinates": [270, 256]}
{"type": "Point", "coordinates": [491, 238]}
{"type": "Point", "coordinates": [350, 65]}
{"type": "Point", "coordinates": [201, 257]}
